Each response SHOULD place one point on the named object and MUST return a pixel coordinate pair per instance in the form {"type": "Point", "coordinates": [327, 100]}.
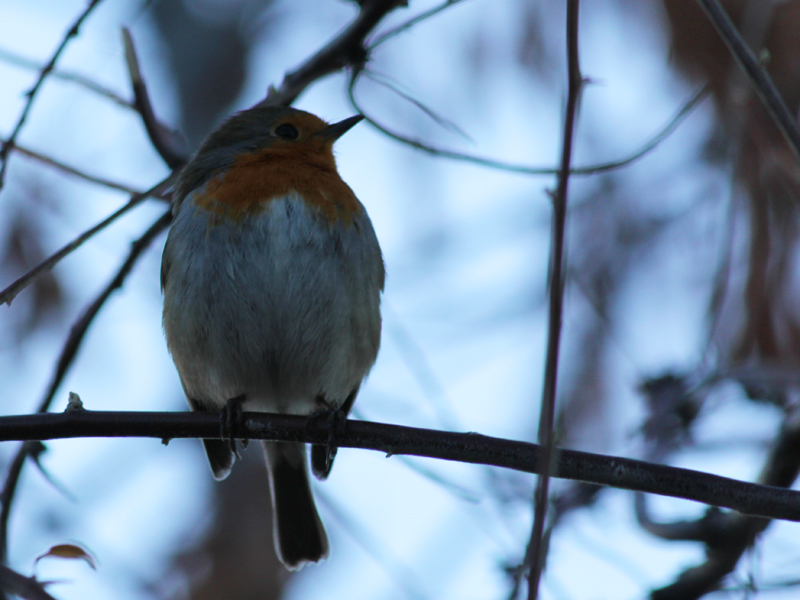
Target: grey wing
{"type": "Point", "coordinates": [165, 264]}
{"type": "Point", "coordinates": [219, 453]}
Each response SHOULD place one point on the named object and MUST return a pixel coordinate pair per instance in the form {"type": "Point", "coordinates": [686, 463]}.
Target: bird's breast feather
{"type": "Point", "coordinates": [256, 179]}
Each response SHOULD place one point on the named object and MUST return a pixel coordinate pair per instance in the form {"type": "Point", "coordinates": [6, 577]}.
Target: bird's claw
{"type": "Point", "coordinates": [334, 419]}
{"type": "Point", "coordinates": [232, 423]}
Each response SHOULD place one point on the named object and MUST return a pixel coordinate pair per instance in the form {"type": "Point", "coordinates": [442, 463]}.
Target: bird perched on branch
{"type": "Point", "coordinates": [272, 277]}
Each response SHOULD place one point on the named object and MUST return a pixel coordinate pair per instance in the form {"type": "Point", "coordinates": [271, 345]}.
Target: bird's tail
{"type": "Point", "coordinates": [299, 535]}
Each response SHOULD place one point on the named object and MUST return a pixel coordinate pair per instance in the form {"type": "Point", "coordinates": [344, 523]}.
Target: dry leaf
{"type": "Point", "coordinates": [71, 551]}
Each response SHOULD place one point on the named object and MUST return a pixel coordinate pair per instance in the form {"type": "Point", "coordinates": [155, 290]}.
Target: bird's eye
{"type": "Point", "coordinates": [287, 131]}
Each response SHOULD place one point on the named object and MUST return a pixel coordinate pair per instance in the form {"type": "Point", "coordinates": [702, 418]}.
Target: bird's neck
{"type": "Point", "coordinates": [256, 179]}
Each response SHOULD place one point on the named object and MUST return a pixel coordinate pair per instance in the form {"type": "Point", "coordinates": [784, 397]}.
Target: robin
{"type": "Point", "coordinates": [272, 277]}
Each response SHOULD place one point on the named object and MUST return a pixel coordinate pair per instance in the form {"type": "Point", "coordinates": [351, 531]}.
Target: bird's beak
{"type": "Point", "coordinates": [337, 130]}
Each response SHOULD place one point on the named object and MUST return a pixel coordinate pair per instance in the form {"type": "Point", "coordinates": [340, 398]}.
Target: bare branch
{"type": "Point", "coordinates": [5, 148]}
{"type": "Point", "coordinates": [410, 23]}
{"type": "Point", "coordinates": [762, 82]}
{"type": "Point", "coordinates": [708, 529]}
{"type": "Point", "coordinates": [7, 295]}
{"type": "Point", "coordinates": [625, 473]}
{"type": "Point", "coordinates": [345, 50]}
{"type": "Point", "coordinates": [556, 308]}
{"type": "Point", "coordinates": [393, 86]}
{"type": "Point", "coordinates": [73, 171]}
{"type": "Point", "coordinates": [9, 488]}
{"type": "Point", "coordinates": [23, 587]}
{"type": "Point", "coordinates": [18, 60]}
{"type": "Point", "coordinates": [169, 143]}
{"type": "Point", "coordinates": [491, 163]}
{"type": "Point", "coordinates": [651, 145]}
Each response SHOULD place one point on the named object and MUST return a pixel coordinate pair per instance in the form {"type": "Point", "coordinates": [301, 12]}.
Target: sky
{"type": "Point", "coordinates": [466, 251]}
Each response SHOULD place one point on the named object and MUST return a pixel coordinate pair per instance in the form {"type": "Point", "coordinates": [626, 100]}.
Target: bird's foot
{"type": "Point", "coordinates": [334, 419]}
{"type": "Point", "coordinates": [232, 423]}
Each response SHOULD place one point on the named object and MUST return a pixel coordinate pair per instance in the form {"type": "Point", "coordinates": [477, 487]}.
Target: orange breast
{"type": "Point", "coordinates": [257, 178]}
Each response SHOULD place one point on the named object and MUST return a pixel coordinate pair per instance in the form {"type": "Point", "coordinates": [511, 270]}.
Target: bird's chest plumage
{"type": "Point", "coordinates": [274, 298]}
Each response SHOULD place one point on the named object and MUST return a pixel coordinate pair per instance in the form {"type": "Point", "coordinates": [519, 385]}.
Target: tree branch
{"type": "Point", "coordinates": [170, 144]}
{"type": "Point", "coordinates": [7, 295]}
{"type": "Point", "coordinates": [5, 148]}
{"type": "Point", "coordinates": [21, 586]}
{"type": "Point", "coordinates": [536, 547]}
{"type": "Point", "coordinates": [762, 82]}
{"type": "Point", "coordinates": [492, 163]}
{"type": "Point", "coordinates": [64, 168]}
{"type": "Point", "coordinates": [625, 473]}
{"type": "Point", "coordinates": [20, 61]}
{"type": "Point", "coordinates": [345, 50]}
{"type": "Point", "coordinates": [411, 23]}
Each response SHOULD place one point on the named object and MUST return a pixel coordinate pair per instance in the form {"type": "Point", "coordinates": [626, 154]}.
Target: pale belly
{"type": "Point", "coordinates": [282, 307]}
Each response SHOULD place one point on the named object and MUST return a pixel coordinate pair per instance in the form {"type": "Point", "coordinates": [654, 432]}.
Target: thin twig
{"type": "Point", "coordinates": [347, 49]}
{"type": "Point", "coordinates": [624, 473]}
{"type": "Point", "coordinates": [65, 360]}
{"type": "Point", "coordinates": [9, 487]}
{"type": "Point", "coordinates": [410, 23]}
{"type": "Point", "coordinates": [169, 143]}
{"type": "Point", "coordinates": [71, 76]}
{"type": "Point", "coordinates": [556, 307]}
{"type": "Point", "coordinates": [491, 163]}
{"type": "Point", "coordinates": [659, 137]}
{"type": "Point", "coordinates": [393, 86]}
{"type": "Point", "coordinates": [5, 148]}
{"type": "Point", "coordinates": [8, 294]}
{"type": "Point", "coordinates": [64, 168]}
{"type": "Point", "coordinates": [22, 587]}
{"type": "Point", "coordinates": [764, 86]}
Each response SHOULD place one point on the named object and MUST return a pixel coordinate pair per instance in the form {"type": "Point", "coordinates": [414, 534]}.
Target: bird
{"type": "Point", "coordinates": [272, 277]}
